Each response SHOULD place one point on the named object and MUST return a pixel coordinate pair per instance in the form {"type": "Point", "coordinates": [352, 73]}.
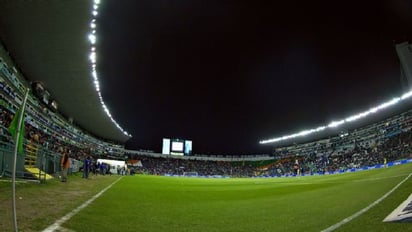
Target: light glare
{"type": "Point", "coordinates": [92, 39]}
{"type": "Point", "coordinates": [335, 124]}
{"type": "Point", "coordinates": [92, 56]}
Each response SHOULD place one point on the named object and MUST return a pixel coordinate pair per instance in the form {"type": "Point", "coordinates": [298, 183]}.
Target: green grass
{"type": "Point", "coordinates": [40, 205]}
{"type": "Point", "coordinates": [152, 203]}
{"type": "Point", "coordinates": [155, 203]}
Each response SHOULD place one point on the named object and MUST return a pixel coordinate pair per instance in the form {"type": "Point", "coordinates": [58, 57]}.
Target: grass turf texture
{"type": "Point", "coordinates": [154, 203]}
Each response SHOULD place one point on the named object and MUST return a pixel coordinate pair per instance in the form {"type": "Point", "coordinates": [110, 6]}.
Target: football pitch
{"type": "Point", "coordinates": [157, 203]}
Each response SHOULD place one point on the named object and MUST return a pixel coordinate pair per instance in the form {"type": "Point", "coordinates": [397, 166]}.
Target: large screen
{"type": "Point", "coordinates": [176, 147]}
{"type": "Point", "coordinates": [188, 147]}
{"type": "Point", "coordinates": [166, 147]}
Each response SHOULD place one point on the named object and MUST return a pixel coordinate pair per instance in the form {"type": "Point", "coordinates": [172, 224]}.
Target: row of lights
{"type": "Point", "coordinates": [335, 124]}
{"type": "Point", "coordinates": [92, 38]}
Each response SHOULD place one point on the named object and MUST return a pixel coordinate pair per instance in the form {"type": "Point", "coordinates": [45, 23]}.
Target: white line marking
{"type": "Point", "coordinates": [379, 178]}
{"type": "Point", "coordinates": [357, 214]}
{"type": "Point", "coordinates": [58, 223]}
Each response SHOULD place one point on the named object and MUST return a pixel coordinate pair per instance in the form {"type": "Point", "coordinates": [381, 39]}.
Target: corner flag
{"type": "Point", "coordinates": [16, 128]}
{"type": "Point", "coordinates": [13, 130]}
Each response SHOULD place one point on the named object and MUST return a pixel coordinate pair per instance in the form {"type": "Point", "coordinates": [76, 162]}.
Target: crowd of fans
{"type": "Point", "coordinates": [176, 166]}
{"type": "Point", "coordinates": [36, 137]}
{"type": "Point", "coordinates": [394, 148]}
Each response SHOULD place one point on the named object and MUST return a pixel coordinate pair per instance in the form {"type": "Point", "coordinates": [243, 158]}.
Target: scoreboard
{"type": "Point", "coordinates": [176, 147]}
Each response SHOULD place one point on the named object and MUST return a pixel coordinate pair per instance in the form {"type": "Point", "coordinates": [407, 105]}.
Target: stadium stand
{"type": "Point", "coordinates": [388, 140]}
{"type": "Point", "coordinates": [46, 131]}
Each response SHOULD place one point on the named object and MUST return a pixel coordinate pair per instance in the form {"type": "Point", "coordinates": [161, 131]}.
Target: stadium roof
{"type": "Point", "coordinates": [48, 42]}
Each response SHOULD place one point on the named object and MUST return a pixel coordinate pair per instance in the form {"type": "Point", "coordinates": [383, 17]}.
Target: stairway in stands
{"type": "Point", "coordinates": [30, 162]}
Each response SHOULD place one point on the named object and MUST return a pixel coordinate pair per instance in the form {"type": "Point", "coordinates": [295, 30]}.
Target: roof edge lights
{"type": "Point", "coordinates": [93, 58]}
{"type": "Point", "coordinates": [335, 124]}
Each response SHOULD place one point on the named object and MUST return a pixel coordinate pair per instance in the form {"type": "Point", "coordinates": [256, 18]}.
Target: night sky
{"type": "Point", "coordinates": [227, 74]}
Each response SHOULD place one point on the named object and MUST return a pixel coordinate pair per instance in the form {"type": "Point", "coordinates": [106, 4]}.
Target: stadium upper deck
{"type": "Point", "coordinates": [48, 42]}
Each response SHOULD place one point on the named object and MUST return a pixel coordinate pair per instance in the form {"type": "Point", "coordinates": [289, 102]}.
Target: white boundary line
{"type": "Point", "coordinates": [357, 214]}
{"type": "Point", "coordinates": [58, 223]}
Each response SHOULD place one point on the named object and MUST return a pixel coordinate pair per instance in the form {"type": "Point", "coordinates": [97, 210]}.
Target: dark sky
{"type": "Point", "coordinates": [227, 74]}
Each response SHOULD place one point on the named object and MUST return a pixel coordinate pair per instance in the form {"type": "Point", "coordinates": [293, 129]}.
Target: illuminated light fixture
{"type": "Point", "coordinates": [335, 124]}
{"type": "Point", "coordinates": [406, 95]}
{"type": "Point", "coordinates": [321, 128]}
{"type": "Point", "coordinates": [93, 57]}
{"type": "Point", "coordinates": [92, 39]}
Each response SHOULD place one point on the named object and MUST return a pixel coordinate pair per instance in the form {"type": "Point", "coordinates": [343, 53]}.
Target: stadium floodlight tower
{"type": "Point", "coordinates": [404, 51]}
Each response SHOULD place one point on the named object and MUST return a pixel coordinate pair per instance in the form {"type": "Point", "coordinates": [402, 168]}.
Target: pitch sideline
{"type": "Point", "coordinates": [58, 223]}
{"type": "Point", "coordinates": [360, 212]}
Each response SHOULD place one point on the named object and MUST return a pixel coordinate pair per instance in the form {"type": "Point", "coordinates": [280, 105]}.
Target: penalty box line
{"type": "Point", "coordinates": [65, 218]}
{"type": "Point", "coordinates": [360, 212]}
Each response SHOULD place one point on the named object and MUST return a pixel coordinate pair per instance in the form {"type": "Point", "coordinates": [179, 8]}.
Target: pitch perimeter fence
{"type": "Point", "coordinates": [45, 161]}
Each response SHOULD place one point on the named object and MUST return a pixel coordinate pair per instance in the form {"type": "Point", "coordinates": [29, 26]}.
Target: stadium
{"type": "Point", "coordinates": [350, 174]}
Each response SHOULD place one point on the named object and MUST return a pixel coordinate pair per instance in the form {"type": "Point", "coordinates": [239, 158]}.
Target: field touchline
{"type": "Point", "coordinates": [65, 218]}
{"type": "Point", "coordinates": [360, 212]}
